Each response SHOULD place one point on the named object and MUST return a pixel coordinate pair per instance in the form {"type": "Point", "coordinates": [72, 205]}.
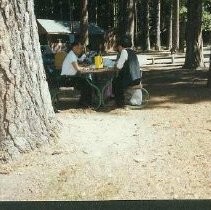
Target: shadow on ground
{"type": "Point", "coordinates": [166, 87]}
{"type": "Point", "coordinates": [176, 86]}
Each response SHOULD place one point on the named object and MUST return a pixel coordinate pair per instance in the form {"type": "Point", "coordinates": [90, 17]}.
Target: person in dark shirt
{"type": "Point", "coordinates": [129, 70]}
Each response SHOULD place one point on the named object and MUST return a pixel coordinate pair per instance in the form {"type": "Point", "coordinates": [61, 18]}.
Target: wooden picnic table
{"type": "Point", "coordinates": [99, 79]}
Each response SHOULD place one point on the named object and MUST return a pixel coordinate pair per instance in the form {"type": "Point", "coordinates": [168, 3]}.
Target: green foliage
{"type": "Point", "coordinates": [206, 15]}
{"type": "Point", "coordinates": [183, 12]}
{"type": "Point", "coordinates": [207, 5]}
{"type": "Point", "coordinates": [206, 18]}
{"type": "Point", "coordinates": [206, 21]}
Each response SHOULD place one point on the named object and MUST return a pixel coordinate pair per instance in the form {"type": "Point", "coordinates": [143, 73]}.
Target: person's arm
{"type": "Point", "coordinates": [77, 67]}
{"type": "Point", "coordinates": [123, 57]}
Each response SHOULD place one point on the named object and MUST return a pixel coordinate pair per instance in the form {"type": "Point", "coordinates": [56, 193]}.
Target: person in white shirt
{"type": "Point", "coordinates": [70, 67]}
{"type": "Point", "coordinates": [129, 74]}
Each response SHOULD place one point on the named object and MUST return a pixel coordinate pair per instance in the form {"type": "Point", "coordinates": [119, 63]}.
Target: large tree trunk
{"type": "Point", "coordinates": [175, 25]}
{"type": "Point", "coordinates": [27, 119]}
{"type": "Point", "coordinates": [194, 45]}
{"type": "Point", "coordinates": [158, 42]}
{"type": "Point", "coordinates": [84, 22]}
{"type": "Point", "coordinates": [146, 35]}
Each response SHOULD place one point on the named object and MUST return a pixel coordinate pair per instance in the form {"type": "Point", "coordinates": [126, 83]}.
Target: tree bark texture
{"type": "Point", "coordinates": [131, 20]}
{"type": "Point", "coordinates": [158, 41]}
{"type": "Point", "coordinates": [146, 35]}
{"type": "Point", "coordinates": [175, 25]}
{"type": "Point", "coordinates": [84, 22]}
{"type": "Point", "coordinates": [110, 14]}
{"type": "Point", "coordinates": [209, 75]}
{"type": "Point", "coordinates": [122, 17]}
{"type": "Point", "coordinates": [170, 30]}
{"type": "Point", "coordinates": [27, 119]}
{"type": "Point", "coordinates": [115, 12]}
{"type": "Point", "coordinates": [194, 45]}
{"type": "Point", "coordinates": [182, 35]}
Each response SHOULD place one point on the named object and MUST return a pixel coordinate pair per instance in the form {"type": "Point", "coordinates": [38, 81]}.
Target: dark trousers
{"type": "Point", "coordinates": [81, 84]}
{"type": "Point", "coordinates": [119, 87]}
{"type": "Point", "coordinates": [85, 89]}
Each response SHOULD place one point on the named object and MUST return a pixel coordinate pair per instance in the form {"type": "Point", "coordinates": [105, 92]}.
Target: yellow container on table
{"type": "Point", "coordinates": [98, 62]}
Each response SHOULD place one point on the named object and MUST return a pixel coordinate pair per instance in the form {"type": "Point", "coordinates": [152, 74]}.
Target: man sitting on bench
{"type": "Point", "coordinates": [70, 67]}
{"type": "Point", "coordinates": [129, 74]}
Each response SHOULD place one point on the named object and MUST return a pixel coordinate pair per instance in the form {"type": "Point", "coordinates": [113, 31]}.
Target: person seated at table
{"type": "Point", "coordinates": [71, 67]}
{"type": "Point", "coordinates": [129, 70]}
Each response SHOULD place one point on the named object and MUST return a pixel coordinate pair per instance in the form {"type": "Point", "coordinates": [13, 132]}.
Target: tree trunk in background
{"type": "Point", "coordinates": [51, 7]}
{"type": "Point", "coordinates": [131, 20]}
{"type": "Point", "coordinates": [84, 35]}
{"type": "Point", "coordinates": [122, 19]}
{"type": "Point", "coordinates": [115, 12]}
{"type": "Point", "coordinates": [209, 75]}
{"type": "Point", "coordinates": [175, 25]}
{"type": "Point", "coordinates": [182, 35]}
{"type": "Point", "coordinates": [135, 23]}
{"type": "Point", "coordinates": [91, 11]}
{"type": "Point", "coordinates": [96, 12]}
{"type": "Point", "coordinates": [194, 45]}
{"type": "Point", "coordinates": [27, 119]}
{"type": "Point", "coordinates": [110, 13]}
{"type": "Point", "coordinates": [158, 42]}
{"type": "Point", "coordinates": [146, 35]}
{"type": "Point", "coordinates": [170, 30]}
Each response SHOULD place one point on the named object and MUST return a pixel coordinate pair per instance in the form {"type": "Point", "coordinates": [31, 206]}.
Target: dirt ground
{"type": "Point", "coordinates": [162, 151]}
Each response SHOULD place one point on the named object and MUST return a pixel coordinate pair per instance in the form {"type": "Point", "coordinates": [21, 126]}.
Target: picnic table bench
{"type": "Point", "coordinates": [98, 79]}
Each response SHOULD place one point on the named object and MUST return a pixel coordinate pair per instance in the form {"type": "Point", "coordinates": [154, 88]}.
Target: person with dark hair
{"type": "Point", "coordinates": [129, 70]}
{"type": "Point", "coordinates": [70, 67]}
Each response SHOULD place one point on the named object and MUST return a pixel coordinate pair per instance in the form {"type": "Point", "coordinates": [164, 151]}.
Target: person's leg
{"type": "Point", "coordinates": [85, 89]}
{"type": "Point", "coordinates": [118, 90]}
{"type": "Point", "coordinates": [86, 92]}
